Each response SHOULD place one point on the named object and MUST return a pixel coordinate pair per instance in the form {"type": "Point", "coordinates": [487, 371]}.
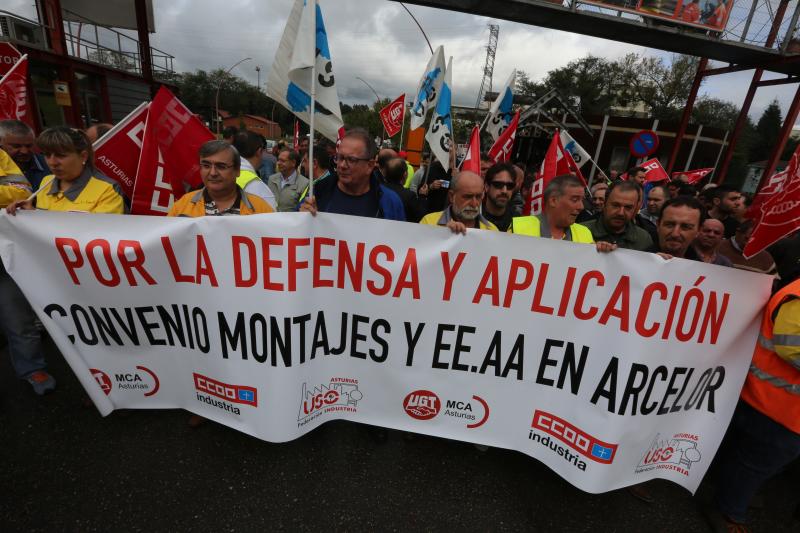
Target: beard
{"type": "Point", "coordinates": [467, 213]}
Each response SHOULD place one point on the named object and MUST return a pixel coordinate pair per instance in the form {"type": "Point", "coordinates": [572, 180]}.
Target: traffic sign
{"type": "Point", "coordinates": [8, 57]}
{"type": "Point", "coordinates": [644, 143]}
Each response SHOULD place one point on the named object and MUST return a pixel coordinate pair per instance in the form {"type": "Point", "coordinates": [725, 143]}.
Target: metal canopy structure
{"type": "Point", "coordinates": [742, 43]}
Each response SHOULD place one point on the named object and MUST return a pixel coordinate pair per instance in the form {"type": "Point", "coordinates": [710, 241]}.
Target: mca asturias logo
{"type": "Point", "coordinates": [222, 395]}
{"type": "Point", "coordinates": [558, 429]}
{"type": "Point", "coordinates": [425, 405]}
{"type": "Point", "coordinates": [140, 379]}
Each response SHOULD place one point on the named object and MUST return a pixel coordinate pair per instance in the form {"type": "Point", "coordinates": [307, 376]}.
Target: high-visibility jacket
{"type": "Point", "coordinates": [532, 227]}
{"type": "Point", "coordinates": [245, 177]}
{"type": "Point", "coordinates": [772, 386]}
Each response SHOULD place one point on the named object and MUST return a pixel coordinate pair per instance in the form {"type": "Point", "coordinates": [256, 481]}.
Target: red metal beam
{"type": "Point", "coordinates": [786, 131]}
{"type": "Point", "coordinates": [773, 33]}
{"type": "Point", "coordinates": [779, 81]}
{"type": "Point", "coordinates": [143, 30]}
{"type": "Point", "coordinates": [687, 113]}
{"type": "Point", "coordinates": [719, 176]}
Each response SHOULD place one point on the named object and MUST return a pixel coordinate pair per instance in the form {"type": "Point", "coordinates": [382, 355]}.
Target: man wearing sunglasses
{"type": "Point", "coordinates": [500, 185]}
{"type": "Point", "coordinates": [354, 190]}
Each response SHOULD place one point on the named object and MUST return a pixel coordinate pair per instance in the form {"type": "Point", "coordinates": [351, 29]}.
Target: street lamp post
{"type": "Point", "coordinates": [219, 86]}
{"type": "Point", "coordinates": [258, 72]}
{"type": "Point", "coordinates": [376, 96]}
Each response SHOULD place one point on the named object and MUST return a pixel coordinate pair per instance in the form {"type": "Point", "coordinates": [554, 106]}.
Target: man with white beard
{"type": "Point", "coordinates": [466, 196]}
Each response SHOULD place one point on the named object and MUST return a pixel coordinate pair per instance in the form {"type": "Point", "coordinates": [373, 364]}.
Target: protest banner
{"type": "Point", "coordinates": [116, 154]}
{"type": "Point", "coordinates": [692, 176]}
{"type": "Point", "coordinates": [612, 369]}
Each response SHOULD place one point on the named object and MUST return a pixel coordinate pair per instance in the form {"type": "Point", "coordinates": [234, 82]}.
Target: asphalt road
{"type": "Point", "coordinates": [65, 468]}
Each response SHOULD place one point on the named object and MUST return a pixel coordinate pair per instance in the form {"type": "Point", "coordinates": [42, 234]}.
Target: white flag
{"type": "Point", "coordinates": [289, 81]}
{"type": "Point", "coordinates": [500, 114]}
{"type": "Point", "coordinates": [580, 155]}
{"type": "Point", "coordinates": [440, 131]}
{"type": "Point", "coordinates": [428, 89]}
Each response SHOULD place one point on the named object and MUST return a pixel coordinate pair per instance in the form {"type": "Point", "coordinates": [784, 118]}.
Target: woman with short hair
{"type": "Point", "coordinates": [74, 184]}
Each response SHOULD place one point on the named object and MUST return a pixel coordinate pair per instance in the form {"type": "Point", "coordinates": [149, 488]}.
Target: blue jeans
{"type": "Point", "coordinates": [757, 449]}
{"type": "Point", "coordinates": [18, 322]}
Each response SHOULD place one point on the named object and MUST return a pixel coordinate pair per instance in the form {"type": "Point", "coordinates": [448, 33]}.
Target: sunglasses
{"type": "Point", "coordinates": [502, 185]}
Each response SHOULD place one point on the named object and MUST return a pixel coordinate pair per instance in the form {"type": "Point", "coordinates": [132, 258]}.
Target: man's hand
{"type": "Point", "coordinates": [436, 184]}
{"type": "Point", "coordinates": [457, 227]}
{"type": "Point", "coordinates": [11, 209]}
{"type": "Point", "coordinates": [662, 255]}
{"type": "Point", "coordinates": [309, 206]}
{"type": "Point", "coordinates": [605, 247]}
{"type": "Point", "coordinates": [423, 191]}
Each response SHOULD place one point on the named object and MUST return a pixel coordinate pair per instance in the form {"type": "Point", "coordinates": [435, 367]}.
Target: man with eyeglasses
{"type": "Point", "coordinates": [500, 184]}
{"type": "Point", "coordinates": [287, 184]}
{"type": "Point", "coordinates": [221, 195]}
{"type": "Point", "coordinates": [465, 196]}
{"type": "Point", "coordinates": [354, 190]}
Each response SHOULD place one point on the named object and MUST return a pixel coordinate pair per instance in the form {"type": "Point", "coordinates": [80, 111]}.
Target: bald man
{"type": "Point", "coordinates": [712, 231]}
{"type": "Point", "coordinates": [466, 196]}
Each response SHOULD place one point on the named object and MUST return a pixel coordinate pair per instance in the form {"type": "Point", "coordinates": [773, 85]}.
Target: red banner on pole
{"type": "Point", "coordinates": [502, 148]}
{"type": "Point", "coordinates": [472, 161]}
{"type": "Point", "coordinates": [14, 93]}
{"type": "Point", "coordinates": [169, 164]}
{"type": "Point", "coordinates": [116, 154]}
{"type": "Point", "coordinates": [557, 162]}
{"type": "Point", "coordinates": [392, 116]}
{"type": "Point", "coordinates": [778, 213]}
{"type": "Point", "coordinates": [692, 176]}
{"type": "Point", "coordinates": [654, 171]}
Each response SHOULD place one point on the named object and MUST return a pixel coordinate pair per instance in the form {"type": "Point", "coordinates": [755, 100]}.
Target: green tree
{"type": "Point", "coordinates": [767, 131]}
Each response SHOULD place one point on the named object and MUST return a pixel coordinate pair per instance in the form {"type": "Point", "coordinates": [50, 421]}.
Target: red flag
{"type": "Point", "coordinates": [776, 208]}
{"type": "Point", "coordinates": [14, 93]}
{"type": "Point", "coordinates": [296, 135]}
{"type": "Point", "coordinates": [392, 116]}
{"type": "Point", "coordinates": [693, 176]}
{"type": "Point", "coordinates": [169, 163]}
{"type": "Point", "coordinates": [774, 185]}
{"type": "Point", "coordinates": [501, 151]}
{"type": "Point", "coordinates": [557, 162]}
{"type": "Point", "coordinates": [116, 154]}
{"type": "Point", "coordinates": [472, 162]}
{"type": "Point", "coordinates": [653, 171]}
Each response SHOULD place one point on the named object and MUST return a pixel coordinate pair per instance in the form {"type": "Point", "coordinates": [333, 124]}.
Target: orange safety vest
{"type": "Point", "coordinates": [773, 385]}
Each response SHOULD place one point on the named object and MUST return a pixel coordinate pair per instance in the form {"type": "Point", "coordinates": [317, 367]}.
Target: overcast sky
{"type": "Point", "coordinates": [378, 41]}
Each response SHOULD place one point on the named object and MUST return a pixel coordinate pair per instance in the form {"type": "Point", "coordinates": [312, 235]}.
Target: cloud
{"type": "Point", "coordinates": [378, 41]}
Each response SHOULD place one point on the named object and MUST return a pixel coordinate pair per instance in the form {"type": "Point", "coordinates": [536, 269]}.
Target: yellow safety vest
{"type": "Point", "coordinates": [245, 177]}
{"type": "Point", "coordinates": [532, 227]}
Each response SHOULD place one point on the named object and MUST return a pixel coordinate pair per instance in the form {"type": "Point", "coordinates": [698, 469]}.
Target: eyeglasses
{"type": "Point", "coordinates": [221, 167]}
{"type": "Point", "coordinates": [502, 185]}
{"type": "Point", "coordinates": [350, 160]}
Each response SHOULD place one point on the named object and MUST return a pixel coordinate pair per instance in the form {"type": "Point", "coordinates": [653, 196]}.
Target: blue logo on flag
{"type": "Point", "coordinates": [601, 452]}
{"type": "Point", "coordinates": [247, 396]}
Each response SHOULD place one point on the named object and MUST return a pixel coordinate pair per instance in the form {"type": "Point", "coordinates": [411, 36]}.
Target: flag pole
{"type": "Point", "coordinates": [402, 123]}
{"type": "Point", "coordinates": [313, 106]}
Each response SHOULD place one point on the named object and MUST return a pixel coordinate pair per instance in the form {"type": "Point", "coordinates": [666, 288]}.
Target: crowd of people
{"type": "Point", "coordinates": [240, 176]}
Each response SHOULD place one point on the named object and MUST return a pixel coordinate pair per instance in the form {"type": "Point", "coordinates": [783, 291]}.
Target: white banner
{"type": "Point", "coordinates": [612, 369]}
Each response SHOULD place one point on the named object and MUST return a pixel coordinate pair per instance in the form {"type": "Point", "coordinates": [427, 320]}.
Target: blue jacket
{"type": "Point", "coordinates": [390, 207]}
